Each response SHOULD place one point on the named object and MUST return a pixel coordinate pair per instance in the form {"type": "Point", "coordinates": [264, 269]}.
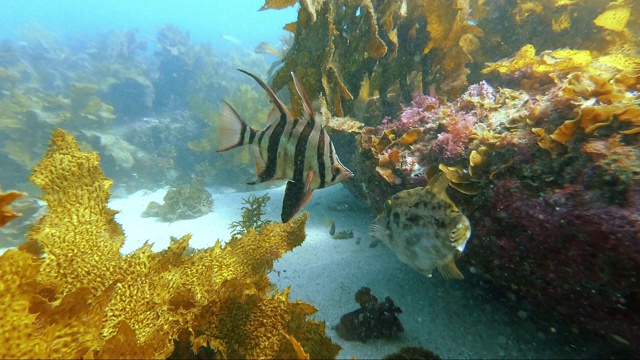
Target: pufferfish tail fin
{"type": "Point", "coordinates": [437, 183]}
{"type": "Point", "coordinates": [449, 270]}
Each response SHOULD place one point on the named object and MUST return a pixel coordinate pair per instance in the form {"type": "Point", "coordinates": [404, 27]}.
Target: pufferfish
{"type": "Point", "coordinates": [425, 228]}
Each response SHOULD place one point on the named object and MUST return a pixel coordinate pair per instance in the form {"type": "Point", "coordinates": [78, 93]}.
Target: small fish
{"type": "Point", "coordinates": [424, 228]}
{"type": "Point", "coordinates": [343, 235]}
{"type": "Point", "coordinates": [298, 150]}
{"type": "Point", "coordinates": [332, 226]}
{"type": "Point", "coordinates": [230, 38]}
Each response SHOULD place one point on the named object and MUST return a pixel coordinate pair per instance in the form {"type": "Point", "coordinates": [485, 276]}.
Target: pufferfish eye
{"type": "Point", "coordinates": [336, 170]}
{"type": "Point", "coordinates": [388, 205]}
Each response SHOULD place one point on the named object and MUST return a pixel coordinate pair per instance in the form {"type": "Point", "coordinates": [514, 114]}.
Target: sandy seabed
{"type": "Point", "coordinates": [455, 319]}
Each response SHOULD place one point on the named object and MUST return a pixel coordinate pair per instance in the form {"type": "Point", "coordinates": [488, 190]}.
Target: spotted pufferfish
{"type": "Point", "coordinates": [424, 228]}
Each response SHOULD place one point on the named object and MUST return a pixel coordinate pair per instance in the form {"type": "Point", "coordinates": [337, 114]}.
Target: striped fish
{"type": "Point", "coordinates": [294, 149]}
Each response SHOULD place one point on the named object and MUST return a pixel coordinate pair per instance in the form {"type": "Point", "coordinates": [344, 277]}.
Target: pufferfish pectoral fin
{"type": "Point", "coordinates": [449, 270]}
{"type": "Point", "coordinates": [378, 232]}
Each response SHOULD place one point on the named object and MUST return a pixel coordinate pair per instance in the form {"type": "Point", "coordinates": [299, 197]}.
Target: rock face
{"type": "Point", "coordinates": [567, 251]}
{"type": "Point", "coordinates": [550, 185]}
{"type": "Point", "coordinates": [187, 201]}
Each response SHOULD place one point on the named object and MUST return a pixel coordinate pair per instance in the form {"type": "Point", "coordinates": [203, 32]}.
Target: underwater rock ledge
{"type": "Point", "coordinates": [69, 293]}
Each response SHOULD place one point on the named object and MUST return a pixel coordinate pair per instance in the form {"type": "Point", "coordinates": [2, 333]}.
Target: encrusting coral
{"type": "Point", "coordinates": [69, 293]}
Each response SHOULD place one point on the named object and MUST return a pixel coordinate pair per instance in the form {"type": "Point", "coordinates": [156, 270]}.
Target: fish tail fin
{"type": "Point", "coordinates": [232, 130]}
{"type": "Point", "coordinates": [449, 270]}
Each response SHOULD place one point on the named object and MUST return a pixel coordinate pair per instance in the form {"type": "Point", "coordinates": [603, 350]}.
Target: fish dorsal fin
{"type": "Point", "coordinates": [274, 115]}
{"type": "Point", "coordinates": [437, 184]}
{"type": "Point", "coordinates": [449, 270]}
{"type": "Point", "coordinates": [306, 103]}
{"type": "Point", "coordinates": [274, 99]}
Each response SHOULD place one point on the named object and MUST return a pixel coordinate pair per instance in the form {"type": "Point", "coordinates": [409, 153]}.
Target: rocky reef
{"type": "Point", "coordinates": [138, 109]}
{"type": "Point", "coordinates": [549, 178]}
{"type": "Point", "coordinates": [411, 352]}
{"type": "Point", "coordinates": [69, 293]}
{"type": "Point", "coordinates": [530, 108]}
{"type": "Point", "coordinates": [373, 320]}
{"type": "Point", "coordinates": [186, 201]}
{"type": "Point", "coordinates": [541, 151]}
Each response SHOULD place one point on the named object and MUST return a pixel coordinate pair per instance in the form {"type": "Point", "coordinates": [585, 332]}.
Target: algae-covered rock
{"type": "Point", "coordinates": [131, 97]}
{"type": "Point", "coordinates": [187, 201]}
{"type": "Point", "coordinates": [152, 210]}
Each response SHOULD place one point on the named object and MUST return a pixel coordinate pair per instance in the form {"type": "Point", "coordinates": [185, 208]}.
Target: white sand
{"type": "Point", "coordinates": [454, 319]}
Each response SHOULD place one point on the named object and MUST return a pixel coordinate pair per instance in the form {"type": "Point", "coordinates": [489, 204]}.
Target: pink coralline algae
{"type": "Point", "coordinates": [450, 146]}
{"type": "Point", "coordinates": [423, 112]}
{"type": "Point", "coordinates": [449, 132]}
{"type": "Point", "coordinates": [481, 91]}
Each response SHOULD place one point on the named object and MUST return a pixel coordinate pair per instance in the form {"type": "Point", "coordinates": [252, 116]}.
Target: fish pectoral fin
{"type": "Point", "coordinates": [295, 197]}
{"type": "Point", "coordinates": [450, 270]}
{"type": "Point", "coordinates": [377, 231]}
{"type": "Point", "coordinates": [307, 182]}
{"type": "Point", "coordinates": [260, 165]}
{"type": "Point", "coordinates": [461, 233]}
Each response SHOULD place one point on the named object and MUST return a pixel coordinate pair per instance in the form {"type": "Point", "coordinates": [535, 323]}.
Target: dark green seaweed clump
{"type": "Point", "coordinates": [372, 320]}
{"type": "Point", "coordinates": [413, 352]}
{"type": "Point", "coordinates": [251, 215]}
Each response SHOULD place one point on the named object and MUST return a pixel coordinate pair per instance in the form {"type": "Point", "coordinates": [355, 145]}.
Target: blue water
{"type": "Point", "coordinates": [206, 20]}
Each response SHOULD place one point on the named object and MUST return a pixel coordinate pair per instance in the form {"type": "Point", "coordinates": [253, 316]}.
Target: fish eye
{"type": "Point", "coordinates": [388, 204]}
{"type": "Point", "coordinates": [336, 170]}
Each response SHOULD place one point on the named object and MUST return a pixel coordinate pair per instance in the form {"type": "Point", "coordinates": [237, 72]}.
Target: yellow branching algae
{"type": "Point", "coordinates": [17, 273]}
{"type": "Point", "coordinates": [338, 44]}
{"type": "Point", "coordinates": [452, 38]}
{"type": "Point", "coordinates": [84, 299]}
{"type": "Point", "coordinates": [6, 213]}
{"type": "Point", "coordinates": [346, 124]}
{"type": "Point", "coordinates": [544, 64]}
{"type": "Point", "coordinates": [76, 193]}
{"type": "Point", "coordinates": [615, 16]}
{"type": "Point", "coordinates": [277, 4]}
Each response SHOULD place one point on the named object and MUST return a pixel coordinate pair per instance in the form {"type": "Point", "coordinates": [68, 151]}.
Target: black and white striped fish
{"type": "Point", "coordinates": [294, 149]}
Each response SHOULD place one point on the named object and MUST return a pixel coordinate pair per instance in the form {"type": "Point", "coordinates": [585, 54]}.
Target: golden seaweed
{"type": "Point", "coordinates": [85, 299]}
